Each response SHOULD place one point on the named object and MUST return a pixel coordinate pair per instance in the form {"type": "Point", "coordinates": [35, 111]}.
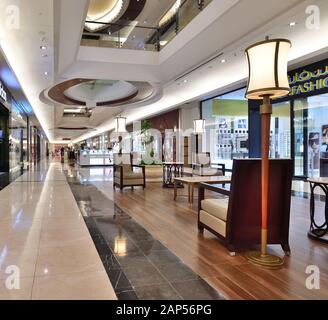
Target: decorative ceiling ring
{"type": "Point", "coordinates": [75, 129]}
{"type": "Point", "coordinates": [130, 12]}
{"type": "Point", "coordinates": [104, 11]}
{"type": "Point", "coordinates": [70, 128]}
{"type": "Point", "coordinates": [79, 92]}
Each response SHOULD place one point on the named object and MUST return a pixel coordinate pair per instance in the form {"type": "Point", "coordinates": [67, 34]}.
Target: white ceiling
{"type": "Point", "coordinates": [21, 46]}
{"type": "Point", "coordinates": [226, 26]}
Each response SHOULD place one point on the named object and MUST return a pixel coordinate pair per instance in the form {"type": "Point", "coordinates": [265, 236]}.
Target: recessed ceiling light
{"type": "Point", "coordinates": [292, 24]}
{"type": "Point", "coordinates": [185, 80]}
{"type": "Point", "coordinates": [223, 61]}
{"type": "Point", "coordinates": [43, 47]}
{"type": "Point", "coordinates": [46, 73]}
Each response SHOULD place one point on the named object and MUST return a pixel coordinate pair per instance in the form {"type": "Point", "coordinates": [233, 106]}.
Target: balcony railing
{"type": "Point", "coordinates": [131, 35]}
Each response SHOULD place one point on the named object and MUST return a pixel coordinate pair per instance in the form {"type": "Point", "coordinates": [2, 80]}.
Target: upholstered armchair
{"type": "Point", "coordinates": [236, 217]}
{"type": "Point", "coordinates": [202, 166]}
{"type": "Point", "coordinates": [126, 174]}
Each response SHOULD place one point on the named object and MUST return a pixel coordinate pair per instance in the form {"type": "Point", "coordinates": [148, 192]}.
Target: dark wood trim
{"type": "Point", "coordinates": [276, 62]}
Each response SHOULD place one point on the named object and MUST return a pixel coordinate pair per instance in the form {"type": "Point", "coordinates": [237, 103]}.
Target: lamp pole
{"type": "Point", "coordinates": [266, 111]}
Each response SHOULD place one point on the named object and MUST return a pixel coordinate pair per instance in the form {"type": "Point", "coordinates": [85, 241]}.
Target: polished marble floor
{"type": "Point", "coordinates": [44, 236]}
{"type": "Point", "coordinates": [138, 265]}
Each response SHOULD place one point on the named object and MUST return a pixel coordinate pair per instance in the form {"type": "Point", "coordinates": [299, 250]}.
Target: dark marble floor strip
{"type": "Point", "coordinates": [138, 266]}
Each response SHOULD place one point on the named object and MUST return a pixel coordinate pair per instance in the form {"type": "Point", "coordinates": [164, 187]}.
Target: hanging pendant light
{"type": "Point", "coordinates": [120, 125]}
{"type": "Point", "coordinates": [199, 126]}
{"type": "Point", "coordinates": [268, 79]}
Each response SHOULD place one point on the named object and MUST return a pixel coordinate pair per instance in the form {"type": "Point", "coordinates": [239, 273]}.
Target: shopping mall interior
{"type": "Point", "coordinates": [163, 150]}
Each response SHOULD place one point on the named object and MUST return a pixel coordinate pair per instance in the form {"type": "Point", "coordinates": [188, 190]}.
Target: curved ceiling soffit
{"type": "Point", "coordinates": [130, 12]}
{"type": "Point", "coordinates": [145, 92]}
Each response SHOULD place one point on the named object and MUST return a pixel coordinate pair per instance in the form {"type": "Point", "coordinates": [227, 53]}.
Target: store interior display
{"type": "Point", "coordinates": [95, 158]}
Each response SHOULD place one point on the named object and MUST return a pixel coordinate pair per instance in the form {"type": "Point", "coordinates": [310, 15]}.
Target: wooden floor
{"type": "Point", "coordinates": [175, 225]}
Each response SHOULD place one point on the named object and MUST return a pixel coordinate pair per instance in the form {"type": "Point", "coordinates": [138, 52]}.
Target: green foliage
{"type": "Point", "coordinates": [151, 163]}
{"type": "Point", "coordinates": [145, 126]}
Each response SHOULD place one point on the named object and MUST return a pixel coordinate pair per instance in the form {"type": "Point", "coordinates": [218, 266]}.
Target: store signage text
{"type": "Point", "coordinates": [3, 93]}
{"type": "Point", "coordinates": [308, 81]}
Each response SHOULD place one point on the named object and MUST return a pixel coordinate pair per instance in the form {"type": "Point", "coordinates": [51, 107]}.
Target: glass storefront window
{"type": "Point", "coordinates": [316, 130]}
{"type": "Point", "coordinates": [299, 134]}
{"type": "Point", "coordinates": [18, 133]}
{"type": "Point", "coordinates": [280, 134]}
{"type": "Point", "coordinates": [226, 127]}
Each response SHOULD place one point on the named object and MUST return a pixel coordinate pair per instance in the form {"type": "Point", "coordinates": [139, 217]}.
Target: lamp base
{"type": "Point", "coordinates": [268, 261]}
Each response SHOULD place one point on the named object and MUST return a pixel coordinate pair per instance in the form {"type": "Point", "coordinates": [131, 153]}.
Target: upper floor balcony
{"type": "Point", "coordinates": [138, 24]}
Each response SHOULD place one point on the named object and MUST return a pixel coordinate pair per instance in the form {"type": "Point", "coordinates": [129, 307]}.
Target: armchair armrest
{"type": "Point", "coordinates": [221, 166]}
{"type": "Point", "coordinates": [205, 186]}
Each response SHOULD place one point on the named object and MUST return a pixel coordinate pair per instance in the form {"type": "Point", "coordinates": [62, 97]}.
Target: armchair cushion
{"type": "Point", "coordinates": [216, 207]}
{"type": "Point", "coordinates": [129, 175]}
{"type": "Point", "coordinates": [215, 224]}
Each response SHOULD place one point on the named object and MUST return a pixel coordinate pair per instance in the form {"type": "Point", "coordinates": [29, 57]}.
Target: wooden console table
{"type": "Point", "coordinates": [318, 232]}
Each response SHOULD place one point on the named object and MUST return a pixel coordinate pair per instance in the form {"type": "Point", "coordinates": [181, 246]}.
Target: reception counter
{"type": "Point", "coordinates": [95, 158]}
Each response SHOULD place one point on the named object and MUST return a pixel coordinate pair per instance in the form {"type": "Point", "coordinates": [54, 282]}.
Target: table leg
{"type": "Point", "coordinates": [188, 192]}
{"type": "Point", "coordinates": [175, 190]}
{"type": "Point", "coordinates": [192, 194]}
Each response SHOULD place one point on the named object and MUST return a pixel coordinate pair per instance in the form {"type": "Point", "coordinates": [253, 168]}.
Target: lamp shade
{"type": "Point", "coordinates": [120, 125]}
{"type": "Point", "coordinates": [199, 126]}
{"type": "Point", "coordinates": [268, 61]}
